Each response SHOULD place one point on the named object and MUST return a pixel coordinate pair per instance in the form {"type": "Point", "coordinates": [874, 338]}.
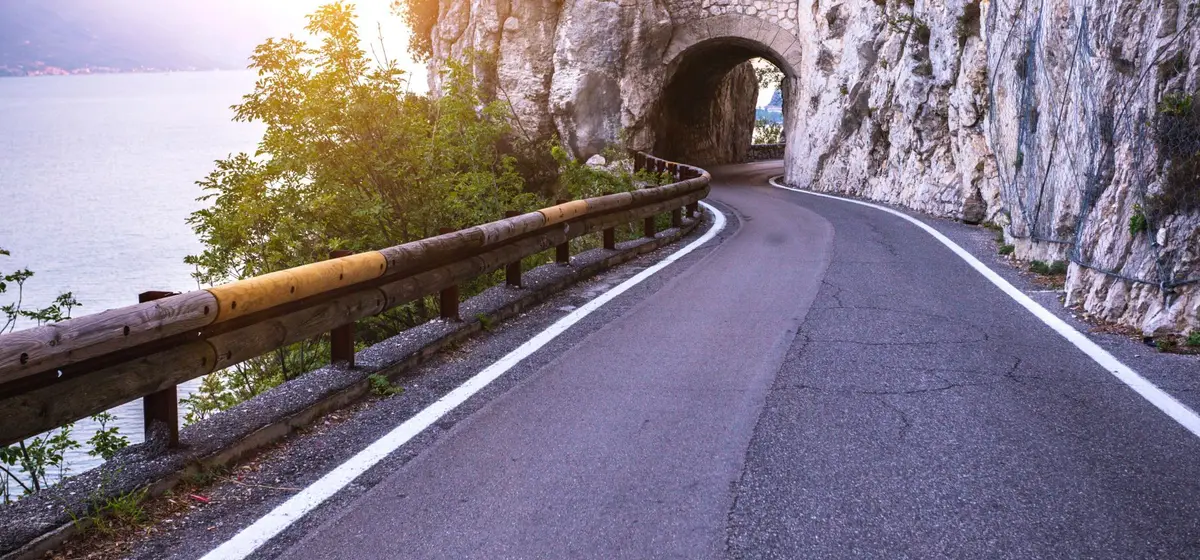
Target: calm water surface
{"type": "Point", "coordinates": [97, 178]}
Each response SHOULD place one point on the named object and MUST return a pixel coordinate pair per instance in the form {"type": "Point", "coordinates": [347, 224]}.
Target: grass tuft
{"type": "Point", "coordinates": [382, 386]}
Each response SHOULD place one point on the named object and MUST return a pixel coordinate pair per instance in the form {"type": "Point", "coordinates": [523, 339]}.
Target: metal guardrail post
{"type": "Point", "coordinates": [341, 339]}
{"type": "Point", "coordinates": [512, 271]}
{"type": "Point", "coordinates": [562, 252]}
{"type": "Point", "coordinates": [610, 235]}
{"type": "Point", "coordinates": [162, 406]}
{"type": "Point", "coordinates": [448, 298]}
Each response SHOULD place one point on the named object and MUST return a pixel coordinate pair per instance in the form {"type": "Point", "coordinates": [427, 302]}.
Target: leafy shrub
{"type": "Point", "coordinates": [420, 16]}
{"type": "Point", "coordinates": [350, 159]}
{"type": "Point", "coordinates": [767, 132]}
{"type": "Point", "coordinates": [1137, 222]}
{"type": "Point", "coordinates": [1007, 249]}
{"type": "Point", "coordinates": [106, 442]}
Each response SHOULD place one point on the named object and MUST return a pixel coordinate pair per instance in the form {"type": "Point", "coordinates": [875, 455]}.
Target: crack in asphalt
{"type": "Point", "coordinates": [836, 296]}
{"type": "Point", "coordinates": [881, 239]}
{"type": "Point", "coordinates": [905, 422]}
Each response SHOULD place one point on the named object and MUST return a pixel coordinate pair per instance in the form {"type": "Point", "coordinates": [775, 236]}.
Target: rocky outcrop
{"type": "Point", "coordinates": [581, 70]}
{"type": "Point", "coordinates": [1047, 114]}
{"type": "Point", "coordinates": [1043, 118]}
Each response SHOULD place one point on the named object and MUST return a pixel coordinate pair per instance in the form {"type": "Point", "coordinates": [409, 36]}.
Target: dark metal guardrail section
{"type": "Point", "coordinates": [56, 374]}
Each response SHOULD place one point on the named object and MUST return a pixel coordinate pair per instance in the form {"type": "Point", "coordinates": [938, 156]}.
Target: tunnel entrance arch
{"type": "Point", "coordinates": [703, 114]}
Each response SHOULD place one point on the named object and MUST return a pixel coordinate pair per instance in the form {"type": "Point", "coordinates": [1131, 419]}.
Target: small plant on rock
{"type": "Point", "coordinates": [1007, 249]}
{"type": "Point", "coordinates": [1137, 222]}
{"type": "Point", "coordinates": [382, 386]}
{"type": "Point", "coordinates": [1193, 340]}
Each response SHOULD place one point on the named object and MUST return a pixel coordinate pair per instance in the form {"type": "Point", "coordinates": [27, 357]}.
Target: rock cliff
{"type": "Point", "coordinates": [1069, 122]}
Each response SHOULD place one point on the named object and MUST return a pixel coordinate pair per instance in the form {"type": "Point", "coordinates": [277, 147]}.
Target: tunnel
{"type": "Point", "coordinates": [706, 114]}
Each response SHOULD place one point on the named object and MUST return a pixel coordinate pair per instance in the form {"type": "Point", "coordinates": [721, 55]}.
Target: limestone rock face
{"type": "Point", "coordinates": [717, 127]}
{"type": "Point", "coordinates": [1044, 118]}
{"type": "Point", "coordinates": [1048, 116]}
{"type": "Point", "coordinates": [583, 70]}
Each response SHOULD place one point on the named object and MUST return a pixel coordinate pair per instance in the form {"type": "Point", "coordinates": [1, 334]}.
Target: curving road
{"type": "Point", "coordinates": [825, 380]}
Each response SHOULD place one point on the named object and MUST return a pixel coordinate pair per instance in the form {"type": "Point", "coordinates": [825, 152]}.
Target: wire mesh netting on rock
{"type": "Point", "coordinates": [1095, 127]}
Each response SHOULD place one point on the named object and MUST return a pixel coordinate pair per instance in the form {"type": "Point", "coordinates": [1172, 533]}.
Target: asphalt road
{"type": "Point", "coordinates": [828, 381]}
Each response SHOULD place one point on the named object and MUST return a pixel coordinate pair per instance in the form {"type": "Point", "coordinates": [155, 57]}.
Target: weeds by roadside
{"type": "Point", "coordinates": [382, 386]}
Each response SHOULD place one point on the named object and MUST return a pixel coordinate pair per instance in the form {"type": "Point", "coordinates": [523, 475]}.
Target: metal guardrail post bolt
{"type": "Point", "coordinates": [562, 251]}
{"type": "Point", "coordinates": [162, 406]}
{"type": "Point", "coordinates": [512, 271]}
{"type": "Point", "coordinates": [341, 339]}
{"type": "Point", "coordinates": [448, 299]}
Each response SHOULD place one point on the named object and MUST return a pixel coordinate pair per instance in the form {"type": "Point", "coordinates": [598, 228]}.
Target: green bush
{"type": "Point", "coordinates": [350, 159]}
{"type": "Point", "coordinates": [1137, 222]}
{"type": "Point", "coordinates": [767, 132]}
{"type": "Point", "coordinates": [1007, 249]}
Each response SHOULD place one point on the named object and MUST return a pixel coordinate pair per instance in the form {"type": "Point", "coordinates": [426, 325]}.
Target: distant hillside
{"type": "Point", "coordinates": [72, 36]}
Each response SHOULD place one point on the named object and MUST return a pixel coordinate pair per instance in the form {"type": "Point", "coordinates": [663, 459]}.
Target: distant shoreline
{"type": "Point", "coordinates": [58, 72]}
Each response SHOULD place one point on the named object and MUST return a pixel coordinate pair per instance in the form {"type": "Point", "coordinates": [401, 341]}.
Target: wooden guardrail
{"type": "Point", "coordinates": [58, 373]}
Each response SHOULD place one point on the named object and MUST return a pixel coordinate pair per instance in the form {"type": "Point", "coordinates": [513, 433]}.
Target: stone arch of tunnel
{"type": "Point", "coordinates": [706, 111]}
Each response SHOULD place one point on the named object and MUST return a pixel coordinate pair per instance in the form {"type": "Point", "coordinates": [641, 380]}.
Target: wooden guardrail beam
{"type": "Point", "coordinates": [123, 354]}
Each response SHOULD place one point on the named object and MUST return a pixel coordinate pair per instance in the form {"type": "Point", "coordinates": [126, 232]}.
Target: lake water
{"type": "Point", "coordinates": [97, 179]}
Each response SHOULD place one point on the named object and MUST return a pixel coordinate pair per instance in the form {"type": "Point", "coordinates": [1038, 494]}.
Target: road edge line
{"type": "Point", "coordinates": [251, 538]}
{"type": "Point", "coordinates": [1162, 400]}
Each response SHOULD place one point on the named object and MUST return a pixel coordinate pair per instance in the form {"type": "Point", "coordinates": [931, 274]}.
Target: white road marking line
{"type": "Point", "coordinates": [257, 534]}
{"type": "Point", "coordinates": [1178, 411]}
